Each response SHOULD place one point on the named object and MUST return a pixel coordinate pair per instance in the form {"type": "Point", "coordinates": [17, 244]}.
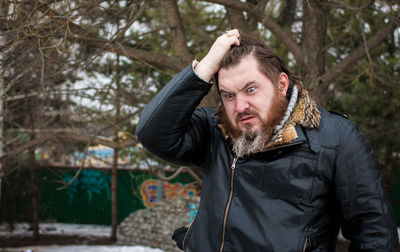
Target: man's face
{"type": "Point", "coordinates": [249, 97]}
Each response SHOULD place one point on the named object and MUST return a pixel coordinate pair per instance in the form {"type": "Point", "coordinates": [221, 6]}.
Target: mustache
{"type": "Point", "coordinates": [246, 113]}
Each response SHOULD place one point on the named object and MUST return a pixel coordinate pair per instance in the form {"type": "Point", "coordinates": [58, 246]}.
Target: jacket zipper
{"type": "Point", "coordinates": [228, 204]}
{"type": "Point", "coordinates": [307, 244]}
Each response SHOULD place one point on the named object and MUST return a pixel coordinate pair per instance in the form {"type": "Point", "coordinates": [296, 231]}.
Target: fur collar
{"type": "Point", "coordinates": [305, 113]}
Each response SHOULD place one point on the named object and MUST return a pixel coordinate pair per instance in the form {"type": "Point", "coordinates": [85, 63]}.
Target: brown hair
{"type": "Point", "coordinates": [270, 64]}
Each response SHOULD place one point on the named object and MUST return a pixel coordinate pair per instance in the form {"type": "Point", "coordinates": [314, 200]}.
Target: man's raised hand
{"type": "Point", "coordinates": [210, 64]}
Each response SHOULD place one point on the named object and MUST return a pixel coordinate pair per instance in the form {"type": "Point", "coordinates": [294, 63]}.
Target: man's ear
{"type": "Point", "coordinates": [283, 84]}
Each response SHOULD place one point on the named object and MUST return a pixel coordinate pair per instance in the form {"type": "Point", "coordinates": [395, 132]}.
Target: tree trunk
{"type": "Point", "coordinates": [238, 21]}
{"type": "Point", "coordinates": [114, 202]}
{"type": "Point", "coordinates": [2, 173]}
{"type": "Point", "coordinates": [313, 41]}
{"type": "Point", "coordinates": [178, 36]}
{"type": "Point", "coordinates": [114, 171]}
{"type": "Point", "coordinates": [34, 191]}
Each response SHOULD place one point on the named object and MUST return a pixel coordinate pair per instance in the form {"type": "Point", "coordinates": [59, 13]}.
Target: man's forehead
{"type": "Point", "coordinates": [232, 83]}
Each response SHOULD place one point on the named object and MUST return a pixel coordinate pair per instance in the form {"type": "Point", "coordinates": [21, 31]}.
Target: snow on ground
{"type": "Point", "coordinates": [85, 248]}
{"type": "Point", "coordinates": [22, 229]}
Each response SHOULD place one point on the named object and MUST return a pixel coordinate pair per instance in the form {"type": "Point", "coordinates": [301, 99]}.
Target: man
{"type": "Point", "coordinates": [279, 173]}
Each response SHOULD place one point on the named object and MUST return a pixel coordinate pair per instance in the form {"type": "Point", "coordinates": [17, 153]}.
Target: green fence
{"type": "Point", "coordinates": [87, 200]}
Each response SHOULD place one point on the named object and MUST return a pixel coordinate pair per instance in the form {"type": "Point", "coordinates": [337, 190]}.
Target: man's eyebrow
{"type": "Point", "coordinates": [224, 91]}
{"type": "Point", "coordinates": [221, 90]}
{"type": "Point", "coordinates": [248, 84]}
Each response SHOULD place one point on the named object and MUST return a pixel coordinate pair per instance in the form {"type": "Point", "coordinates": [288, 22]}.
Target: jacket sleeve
{"type": "Point", "coordinates": [170, 125]}
{"type": "Point", "coordinates": [366, 215]}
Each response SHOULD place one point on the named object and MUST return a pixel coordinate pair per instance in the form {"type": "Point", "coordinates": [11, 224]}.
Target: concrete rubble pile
{"type": "Point", "coordinates": [153, 227]}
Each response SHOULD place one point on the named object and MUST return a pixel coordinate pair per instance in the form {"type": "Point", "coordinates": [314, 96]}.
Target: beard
{"type": "Point", "coordinates": [250, 141]}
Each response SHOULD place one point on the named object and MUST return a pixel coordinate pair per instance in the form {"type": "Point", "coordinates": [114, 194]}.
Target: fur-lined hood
{"type": "Point", "coordinates": [305, 113]}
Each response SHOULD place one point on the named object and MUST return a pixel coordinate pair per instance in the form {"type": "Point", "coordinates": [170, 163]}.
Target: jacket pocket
{"type": "Point", "coordinates": [320, 242]}
{"type": "Point", "coordinates": [290, 177]}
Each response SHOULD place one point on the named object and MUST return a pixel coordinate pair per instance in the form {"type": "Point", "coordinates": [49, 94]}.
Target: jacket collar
{"type": "Point", "coordinates": [305, 114]}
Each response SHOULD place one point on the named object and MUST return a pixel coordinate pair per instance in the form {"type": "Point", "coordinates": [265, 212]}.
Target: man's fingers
{"type": "Point", "coordinates": [234, 40]}
{"type": "Point", "coordinates": [234, 32]}
{"type": "Point", "coordinates": [234, 36]}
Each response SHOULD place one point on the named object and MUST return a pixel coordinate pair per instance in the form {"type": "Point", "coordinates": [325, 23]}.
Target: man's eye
{"type": "Point", "coordinates": [251, 89]}
{"type": "Point", "coordinates": [228, 96]}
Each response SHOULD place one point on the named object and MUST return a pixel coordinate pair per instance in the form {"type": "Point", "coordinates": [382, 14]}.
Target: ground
{"type": "Point", "coordinates": [24, 241]}
{"type": "Point", "coordinates": [63, 237]}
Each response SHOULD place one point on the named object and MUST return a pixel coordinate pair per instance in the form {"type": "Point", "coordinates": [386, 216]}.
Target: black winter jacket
{"type": "Point", "coordinates": [291, 197]}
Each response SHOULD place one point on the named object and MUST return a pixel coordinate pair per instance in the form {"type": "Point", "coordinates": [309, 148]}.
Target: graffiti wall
{"type": "Point", "coordinates": [90, 182]}
{"type": "Point", "coordinates": [87, 199]}
{"type": "Point", "coordinates": [153, 191]}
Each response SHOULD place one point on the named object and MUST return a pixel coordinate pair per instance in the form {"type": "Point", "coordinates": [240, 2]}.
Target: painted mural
{"type": "Point", "coordinates": [153, 191]}
{"type": "Point", "coordinates": [90, 181]}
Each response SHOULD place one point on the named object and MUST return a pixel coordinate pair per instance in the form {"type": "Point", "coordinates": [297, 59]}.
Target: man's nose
{"type": "Point", "coordinates": [241, 105]}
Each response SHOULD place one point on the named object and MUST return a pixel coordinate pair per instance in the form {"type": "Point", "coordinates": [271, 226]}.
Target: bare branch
{"type": "Point", "coordinates": [78, 172]}
{"type": "Point", "coordinates": [361, 22]}
{"type": "Point", "coordinates": [344, 5]}
{"type": "Point", "coordinates": [196, 30]}
{"type": "Point", "coordinates": [258, 14]}
{"type": "Point", "coordinates": [121, 33]}
{"type": "Point", "coordinates": [97, 140]}
{"type": "Point", "coordinates": [333, 43]}
{"type": "Point", "coordinates": [65, 134]}
{"type": "Point", "coordinates": [156, 171]}
{"type": "Point", "coordinates": [234, 4]}
{"type": "Point", "coordinates": [236, 18]}
{"type": "Point", "coordinates": [393, 19]}
{"type": "Point", "coordinates": [357, 54]}
{"type": "Point", "coordinates": [42, 67]}
{"type": "Point", "coordinates": [24, 147]}
{"type": "Point", "coordinates": [194, 175]}
{"type": "Point", "coordinates": [70, 31]}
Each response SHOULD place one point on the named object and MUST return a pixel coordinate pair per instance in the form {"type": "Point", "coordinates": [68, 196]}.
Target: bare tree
{"type": "Point", "coordinates": [47, 45]}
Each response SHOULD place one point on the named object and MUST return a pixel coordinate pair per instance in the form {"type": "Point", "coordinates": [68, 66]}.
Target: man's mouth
{"type": "Point", "coordinates": [246, 118]}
